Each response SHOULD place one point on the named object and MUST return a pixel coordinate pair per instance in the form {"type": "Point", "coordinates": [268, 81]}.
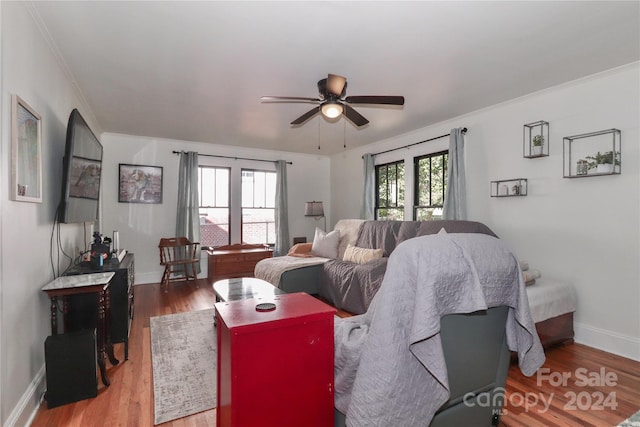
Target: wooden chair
{"type": "Point", "coordinates": [179, 257]}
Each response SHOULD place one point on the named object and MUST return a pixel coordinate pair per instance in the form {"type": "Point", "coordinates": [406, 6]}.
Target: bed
{"type": "Point", "coordinates": [552, 305]}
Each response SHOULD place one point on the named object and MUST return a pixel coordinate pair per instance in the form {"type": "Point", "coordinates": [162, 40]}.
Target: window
{"type": "Point", "coordinates": [430, 183]}
{"type": "Point", "coordinates": [258, 206]}
{"type": "Point", "coordinates": [213, 190]}
{"type": "Point", "coordinates": [390, 191]}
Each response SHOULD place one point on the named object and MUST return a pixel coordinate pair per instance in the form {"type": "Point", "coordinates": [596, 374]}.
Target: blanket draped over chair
{"type": "Point", "coordinates": [389, 364]}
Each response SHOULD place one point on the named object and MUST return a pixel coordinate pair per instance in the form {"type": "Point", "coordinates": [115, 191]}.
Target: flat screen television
{"type": "Point", "coordinates": [82, 170]}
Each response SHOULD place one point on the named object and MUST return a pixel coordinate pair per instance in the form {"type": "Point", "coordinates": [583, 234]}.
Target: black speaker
{"type": "Point", "coordinates": [70, 361]}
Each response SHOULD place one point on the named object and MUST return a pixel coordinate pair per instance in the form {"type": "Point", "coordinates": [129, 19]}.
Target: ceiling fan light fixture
{"type": "Point", "coordinates": [331, 110]}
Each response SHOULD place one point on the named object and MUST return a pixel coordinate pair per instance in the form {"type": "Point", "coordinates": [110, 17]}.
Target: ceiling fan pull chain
{"type": "Point", "coordinates": [318, 133]}
{"type": "Point", "coordinates": [344, 133]}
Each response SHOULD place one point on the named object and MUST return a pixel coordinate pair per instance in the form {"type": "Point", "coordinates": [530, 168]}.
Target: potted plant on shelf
{"type": "Point", "coordinates": [604, 162]}
{"type": "Point", "coordinates": [538, 142]}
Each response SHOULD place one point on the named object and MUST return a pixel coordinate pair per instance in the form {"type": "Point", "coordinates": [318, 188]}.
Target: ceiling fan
{"type": "Point", "coordinates": [332, 101]}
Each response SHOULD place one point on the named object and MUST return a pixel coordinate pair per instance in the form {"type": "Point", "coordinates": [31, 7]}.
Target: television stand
{"type": "Point", "coordinates": [82, 308]}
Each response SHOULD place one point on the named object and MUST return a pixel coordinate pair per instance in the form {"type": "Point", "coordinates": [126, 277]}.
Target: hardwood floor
{"type": "Point", "coordinates": [129, 399]}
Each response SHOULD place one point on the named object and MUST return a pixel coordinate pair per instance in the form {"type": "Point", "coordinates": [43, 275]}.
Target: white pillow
{"type": "Point", "coordinates": [325, 244]}
{"type": "Point", "coordinates": [361, 255]}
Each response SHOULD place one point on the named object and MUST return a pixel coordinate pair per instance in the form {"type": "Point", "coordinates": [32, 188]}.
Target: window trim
{"type": "Point", "coordinates": [377, 188]}
{"type": "Point", "coordinates": [253, 197]}
{"type": "Point", "coordinates": [228, 207]}
{"type": "Point", "coordinates": [416, 183]}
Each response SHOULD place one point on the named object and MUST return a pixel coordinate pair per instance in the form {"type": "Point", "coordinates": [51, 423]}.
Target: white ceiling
{"type": "Point", "coordinates": [195, 71]}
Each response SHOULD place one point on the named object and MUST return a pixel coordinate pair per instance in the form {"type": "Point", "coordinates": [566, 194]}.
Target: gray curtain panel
{"type": "Point", "coordinates": [455, 199]}
{"type": "Point", "coordinates": [188, 214]}
{"type": "Point", "coordinates": [369, 193]}
{"type": "Point", "coordinates": [282, 210]}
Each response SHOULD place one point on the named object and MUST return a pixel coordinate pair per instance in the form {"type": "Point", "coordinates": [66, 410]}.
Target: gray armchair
{"type": "Point", "coordinates": [477, 358]}
{"type": "Point", "coordinates": [428, 349]}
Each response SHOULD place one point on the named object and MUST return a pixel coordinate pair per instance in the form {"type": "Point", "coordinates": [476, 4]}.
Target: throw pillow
{"type": "Point", "coordinates": [325, 244]}
{"type": "Point", "coordinates": [361, 255]}
{"type": "Point", "coordinates": [300, 248]}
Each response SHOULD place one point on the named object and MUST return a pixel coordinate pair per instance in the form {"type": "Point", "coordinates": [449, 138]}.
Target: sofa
{"type": "Point", "coordinates": [347, 285]}
{"type": "Point", "coordinates": [351, 287]}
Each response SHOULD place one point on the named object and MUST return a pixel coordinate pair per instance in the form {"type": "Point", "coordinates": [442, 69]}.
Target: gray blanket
{"type": "Point", "coordinates": [350, 286]}
{"type": "Point", "coordinates": [389, 365]}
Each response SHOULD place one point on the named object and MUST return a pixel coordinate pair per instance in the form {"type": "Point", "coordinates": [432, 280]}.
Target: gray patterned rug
{"type": "Point", "coordinates": [183, 355]}
{"type": "Point", "coordinates": [632, 421]}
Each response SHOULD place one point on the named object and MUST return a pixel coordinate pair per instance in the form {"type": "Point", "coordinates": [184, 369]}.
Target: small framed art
{"type": "Point", "coordinates": [139, 184]}
{"type": "Point", "coordinates": [26, 152]}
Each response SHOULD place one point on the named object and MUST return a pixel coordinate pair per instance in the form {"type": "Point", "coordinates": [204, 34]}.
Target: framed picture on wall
{"type": "Point", "coordinates": [139, 184]}
{"type": "Point", "coordinates": [26, 152]}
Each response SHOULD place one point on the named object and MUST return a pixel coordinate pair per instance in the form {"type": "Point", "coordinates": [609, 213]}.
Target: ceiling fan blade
{"type": "Point", "coordinates": [288, 99]}
{"type": "Point", "coordinates": [354, 116]}
{"type": "Point", "coordinates": [389, 100]}
{"type": "Point", "coordinates": [306, 116]}
{"type": "Point", "coordinates": [336, 84]}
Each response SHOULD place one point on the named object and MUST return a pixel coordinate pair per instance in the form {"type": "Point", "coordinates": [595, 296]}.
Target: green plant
{"type": "Point", "coordinates": [603, 158]}
{"type": "Point", "coordinates": [538, 140]}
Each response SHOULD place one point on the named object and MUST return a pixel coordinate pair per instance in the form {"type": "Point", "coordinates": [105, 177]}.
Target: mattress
{"type": "Point", "coordinates": [549, 298]}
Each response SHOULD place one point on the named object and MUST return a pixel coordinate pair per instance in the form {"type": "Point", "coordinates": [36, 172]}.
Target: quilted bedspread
{"type": "Point", "coordinates": [389, 365]}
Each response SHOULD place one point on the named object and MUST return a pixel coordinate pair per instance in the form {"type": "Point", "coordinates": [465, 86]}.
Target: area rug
{"type": "Point", "coordinates": [183, 355]}
{"type": "Point", "coordinates": [632, 421]}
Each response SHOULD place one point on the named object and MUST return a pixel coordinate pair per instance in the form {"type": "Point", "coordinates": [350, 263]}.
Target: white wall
{"type": "Point", "coordinates": [30, 70]}
{"type": "Point", "coordinates": [141, 226]}
{"type": "Point", "coordinates": [583, 231]}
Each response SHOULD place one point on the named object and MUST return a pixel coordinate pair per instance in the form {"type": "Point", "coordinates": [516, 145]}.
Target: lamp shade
{"type": "Point", "coordinates": [313, 209]}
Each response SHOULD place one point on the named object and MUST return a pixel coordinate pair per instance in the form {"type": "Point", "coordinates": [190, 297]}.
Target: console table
{"type": "Point", "coordinates": [226, 262]}
{"type": "Point", "coordinates": [91, 284]}
{"type": "Point", "coordinates": [82, 308]}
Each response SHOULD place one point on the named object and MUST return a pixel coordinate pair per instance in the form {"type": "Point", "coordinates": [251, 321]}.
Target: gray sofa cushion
{"type": "Point", "coordinates": [410, 229]}
{"type": "Point", "coordinates": [379, 235]}
{"type": "Point", "coordinates": [350, 286]}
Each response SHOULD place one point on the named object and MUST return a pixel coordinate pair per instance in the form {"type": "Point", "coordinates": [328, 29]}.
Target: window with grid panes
{"type": "Point", "coordinates": [390, 191]}
{"type": "Point", "coordinates": [430, 184]}
{"type": "Point", "coordinates": [258, 206]}
{"type": "Point", "coordinates": [213, 189]}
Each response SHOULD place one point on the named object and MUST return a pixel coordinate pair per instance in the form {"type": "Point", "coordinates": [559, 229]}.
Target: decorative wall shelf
{"type": "Point", "coordinates": [535, 140]}
{"type": "Point", "coordinates": [592, 154]}
{"type": "Point", "coordinates": [515, 187]}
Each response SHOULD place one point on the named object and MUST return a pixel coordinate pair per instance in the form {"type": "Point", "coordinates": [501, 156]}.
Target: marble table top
{"type": "Point", "coordinates": [79, 281]}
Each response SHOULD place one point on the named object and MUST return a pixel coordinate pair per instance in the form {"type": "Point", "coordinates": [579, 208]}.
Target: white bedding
{"type": "Point", "coordinates": [549, 298]}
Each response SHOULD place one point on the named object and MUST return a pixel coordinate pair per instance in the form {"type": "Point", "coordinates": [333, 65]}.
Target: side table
{"type": "Point", "coordinates": [97, 283]}
{"type": "Point", "coordinates": [275, 368]}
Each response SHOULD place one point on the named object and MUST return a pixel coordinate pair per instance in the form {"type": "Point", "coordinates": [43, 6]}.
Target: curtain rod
{"type": "Point", "coordinates": [234, 158]}
{"type": "Point", "coordinates": [464, 130]}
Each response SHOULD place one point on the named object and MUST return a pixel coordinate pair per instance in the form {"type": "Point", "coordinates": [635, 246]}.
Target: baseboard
{"type": "Point", "coordinates": [612, 342]}
{"type": "Point", "coordinates": [28, 405]}
{"type": "Point", "coordinates": [146, 278]}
